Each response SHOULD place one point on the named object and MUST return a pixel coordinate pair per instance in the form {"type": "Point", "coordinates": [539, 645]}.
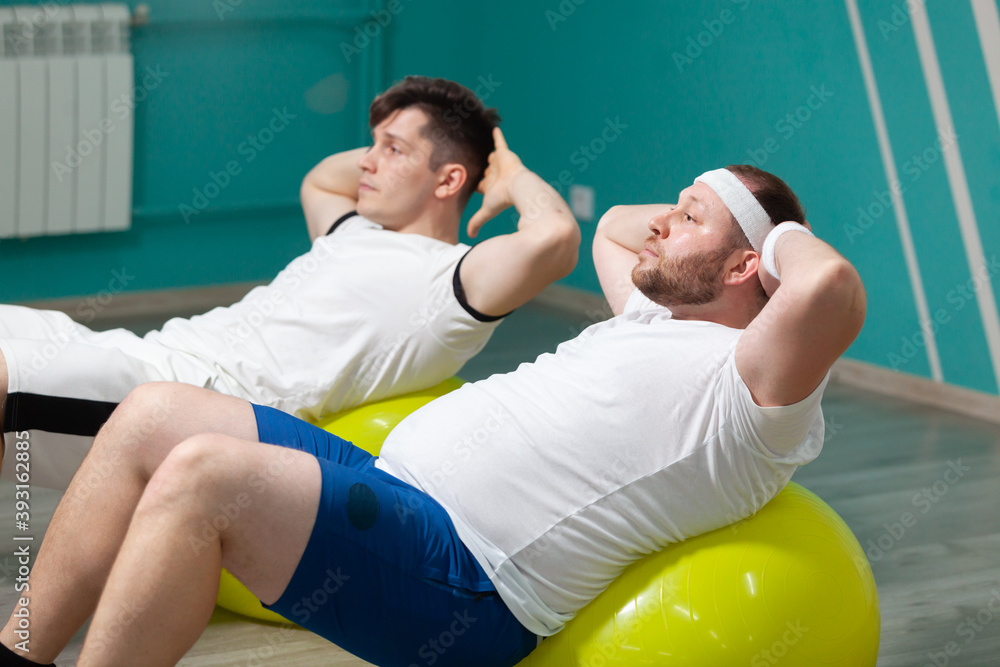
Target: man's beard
{"type": "Point", "coordinates": [691, 280]}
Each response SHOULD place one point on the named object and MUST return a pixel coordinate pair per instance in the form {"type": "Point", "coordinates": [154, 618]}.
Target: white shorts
{"type": "Point", "coordinates": [64, 380]}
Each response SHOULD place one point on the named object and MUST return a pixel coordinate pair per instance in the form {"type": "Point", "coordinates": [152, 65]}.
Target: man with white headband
{"type": "Point", "coordinates": [513, 501]}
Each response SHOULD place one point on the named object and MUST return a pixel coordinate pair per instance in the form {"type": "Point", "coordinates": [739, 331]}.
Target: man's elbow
{"type": "Point", "coordinates": [556, 245]}
{"type": "Point", "coordinates": [609, 218]}
{"type": "Point", "coordinates": [840, 285]}
{"type": "Point", "coordinates": [565, 248]}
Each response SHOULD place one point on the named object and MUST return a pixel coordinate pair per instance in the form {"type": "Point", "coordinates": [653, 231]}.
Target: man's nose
{"type": "Point", "coordinates": [660, 224]}
{"type": "Point", "coordinates": [366, 161]}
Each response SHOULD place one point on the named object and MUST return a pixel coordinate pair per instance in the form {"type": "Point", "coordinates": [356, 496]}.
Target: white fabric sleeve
{"type": "Point", "coordinates": [788, 433]}
{"type": "Point", "coordinates": [448, 320]}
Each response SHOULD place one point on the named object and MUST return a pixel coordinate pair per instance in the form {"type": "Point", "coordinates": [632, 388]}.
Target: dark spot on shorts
{"type": "Point", "coordinates": [362, 506]}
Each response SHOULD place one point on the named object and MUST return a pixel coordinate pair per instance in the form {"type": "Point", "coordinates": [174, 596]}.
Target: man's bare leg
{"type": "Point", "coordinates": [91, 521]}
{"type": "Point", "coordinates": [164, 583]}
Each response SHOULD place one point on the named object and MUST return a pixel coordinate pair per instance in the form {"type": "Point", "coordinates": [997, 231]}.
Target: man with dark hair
{"type": "Point", "coordinates": [385, 302]}
{"type": "Point", "coordinates": [662, 423]}
{"type": "Point", "coordinates": [457, 124]}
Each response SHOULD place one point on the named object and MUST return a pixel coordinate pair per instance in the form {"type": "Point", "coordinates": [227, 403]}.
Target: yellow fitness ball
{"type": "Point", "coordinates": [367, 426]}
{"type": "Point", "coordinates": [789, 585]}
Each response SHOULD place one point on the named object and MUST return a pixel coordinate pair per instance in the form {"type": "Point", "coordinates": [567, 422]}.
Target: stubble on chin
{"type": "Point", "coordinates": [690, 280]}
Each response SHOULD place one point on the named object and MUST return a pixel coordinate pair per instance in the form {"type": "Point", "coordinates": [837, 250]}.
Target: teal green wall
{"type": "Point", "coordinates": [563, 78]}
{"type": "Point", "coordinates": [224, 67]}
{"type": "Point", "coordinates": [558, 83]}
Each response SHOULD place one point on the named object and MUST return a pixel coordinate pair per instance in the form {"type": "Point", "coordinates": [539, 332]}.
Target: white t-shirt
{"type": "Point", "coordinates": [367, 313]}
{"type": "Point", "coordinates": [636, 434]}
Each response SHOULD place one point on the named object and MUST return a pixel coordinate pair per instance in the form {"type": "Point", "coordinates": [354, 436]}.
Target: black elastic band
{"type": "Point", "coordinates": [56, 414]}
{"type": "Point", "coordinates": [341, 219]}
{"type": "Point", "coordinates": [456, 283]}
{"type": "Point", "coordinates": [9, 657]}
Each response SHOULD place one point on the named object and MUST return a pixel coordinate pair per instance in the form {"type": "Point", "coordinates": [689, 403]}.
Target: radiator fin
{"type": "Point", "coordinates": [66, 119]}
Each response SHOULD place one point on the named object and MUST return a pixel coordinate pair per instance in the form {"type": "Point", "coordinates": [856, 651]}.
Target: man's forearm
{"type": "Point", "coordinates": [543, 212]}
{"type": "Point", "coordinates": [806, 263]}
{"type": "Point", "coordinates": [628, 226]}
{"type": "Point", "coordinates": [338, 174]}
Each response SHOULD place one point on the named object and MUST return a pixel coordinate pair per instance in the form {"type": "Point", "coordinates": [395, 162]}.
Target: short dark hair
{"type": "Point", "coordinates": [459, 125]}
{"type": "Point", "coordinates": [778, 201]}
{"type": "Point", "coordinates": [774, 195]}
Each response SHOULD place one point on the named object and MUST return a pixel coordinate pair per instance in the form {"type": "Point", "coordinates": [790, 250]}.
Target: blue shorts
{"type": "Point", "coordinates": [385, 575]}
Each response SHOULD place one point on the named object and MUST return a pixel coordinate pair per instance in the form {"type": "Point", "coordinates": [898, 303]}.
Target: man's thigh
{"type": "Point", "coordinates": [386, 577]}
{"type": "Point", "coordinates": [384, 557]}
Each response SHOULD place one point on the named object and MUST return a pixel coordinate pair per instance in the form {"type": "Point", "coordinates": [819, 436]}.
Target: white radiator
{"type": "Point", "coordinates": [67, 97]}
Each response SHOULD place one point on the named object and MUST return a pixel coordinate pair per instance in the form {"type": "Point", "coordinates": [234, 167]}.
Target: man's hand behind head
{"type": "Point", "coordinates": [504, 167]}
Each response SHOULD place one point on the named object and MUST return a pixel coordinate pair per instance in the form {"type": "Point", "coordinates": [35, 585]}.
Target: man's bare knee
{"type": "Point", "coordinates": [188, 474]}
{"type": "Point", "coordinates": [139, 429]}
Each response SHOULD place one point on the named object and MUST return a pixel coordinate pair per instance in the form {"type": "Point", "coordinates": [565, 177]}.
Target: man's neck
{"type": "Point", "coordinates": [437, 224]}
{"type": "Point", "coordinates": [733, 311]}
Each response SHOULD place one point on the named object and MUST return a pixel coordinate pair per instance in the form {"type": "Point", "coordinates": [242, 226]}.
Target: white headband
{"type": "Point", "coordinates": [754, 220]}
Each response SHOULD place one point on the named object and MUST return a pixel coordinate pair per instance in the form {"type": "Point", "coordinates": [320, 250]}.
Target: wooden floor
{"type": "Point", "coordinates": [883, 459]}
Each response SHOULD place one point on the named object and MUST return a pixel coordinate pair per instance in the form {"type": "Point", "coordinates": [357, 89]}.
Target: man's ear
{"type": "Point", "coordinates": [451, 180]}
{"type": "Point", "coordinates": [742, 266]}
